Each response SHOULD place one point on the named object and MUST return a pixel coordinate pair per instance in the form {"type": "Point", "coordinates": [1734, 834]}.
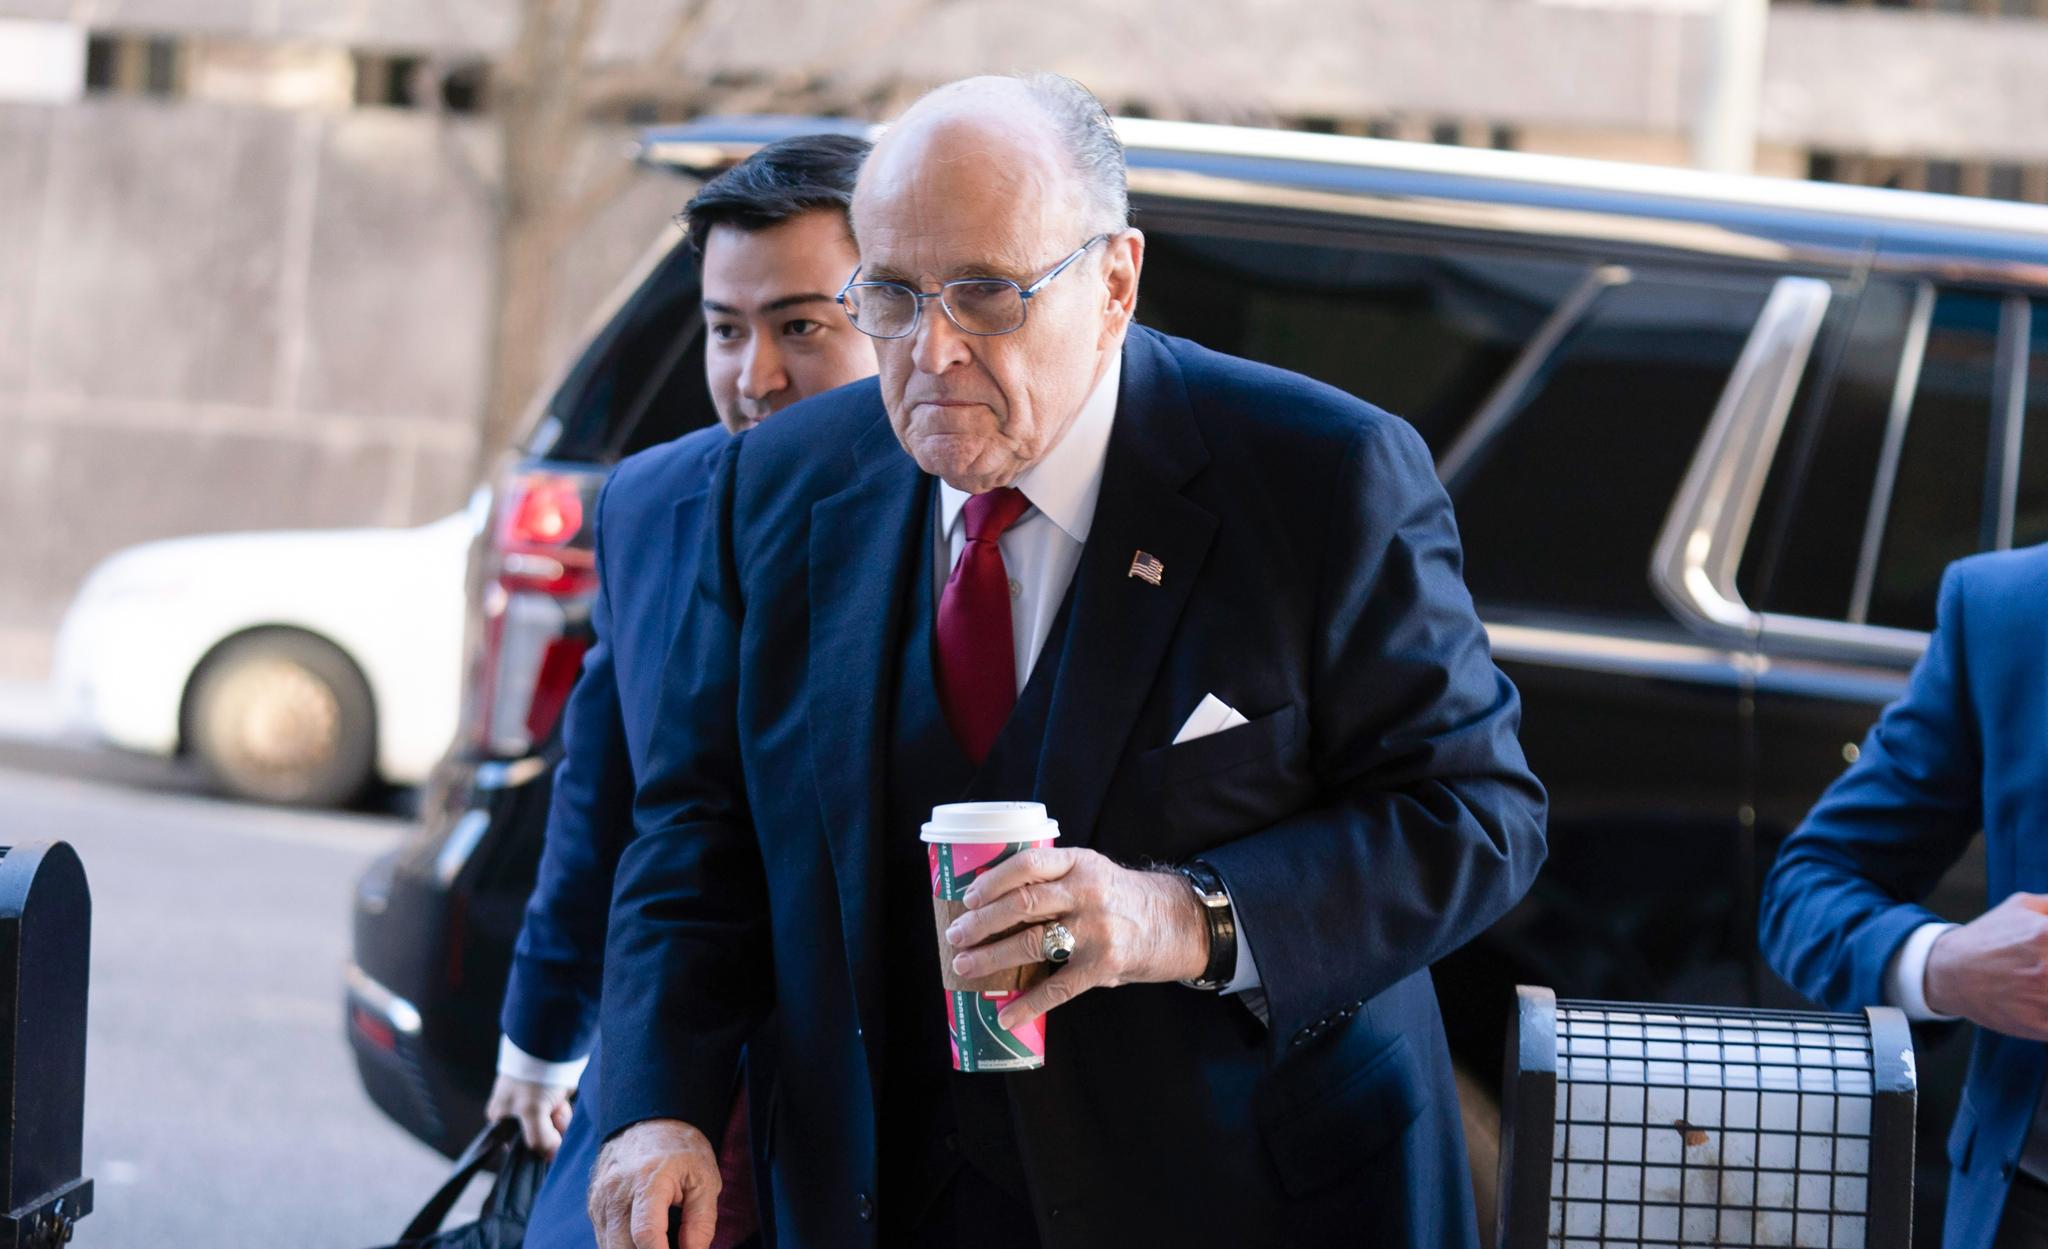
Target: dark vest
{"type": "Point", "coordinates": [934, 1119]}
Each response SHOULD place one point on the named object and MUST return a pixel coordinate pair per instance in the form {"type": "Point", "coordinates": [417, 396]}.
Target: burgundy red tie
{"type": "Point", "coordinates": [977, 652]}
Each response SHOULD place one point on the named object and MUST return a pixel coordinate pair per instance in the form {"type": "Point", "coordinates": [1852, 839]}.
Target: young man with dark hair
{"type": "Point", "coordinates": [774, 245]}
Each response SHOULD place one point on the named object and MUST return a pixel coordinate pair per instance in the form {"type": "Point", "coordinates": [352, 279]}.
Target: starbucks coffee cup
{"type": "Point", "coordinates": [962, 842]}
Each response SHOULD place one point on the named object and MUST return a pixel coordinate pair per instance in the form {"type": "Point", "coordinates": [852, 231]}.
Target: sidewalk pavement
{"type": "Point", "coordinates": [29, 712]}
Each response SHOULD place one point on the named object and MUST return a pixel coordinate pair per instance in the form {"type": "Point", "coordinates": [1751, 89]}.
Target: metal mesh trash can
{"type": "Point", "coordinates": [1654, 1125]}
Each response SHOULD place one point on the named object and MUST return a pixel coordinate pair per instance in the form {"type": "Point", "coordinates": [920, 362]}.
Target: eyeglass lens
{"type": "Point", "coordinates": [890, 311]}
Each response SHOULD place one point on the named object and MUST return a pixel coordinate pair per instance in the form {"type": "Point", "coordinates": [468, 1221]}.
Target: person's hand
{"type": "Point", "coordinates": [1993, 971]}
{"type": "Point", "coordinates": [542, 1110]}
{"type": "Point", "coordinates": [1130, 927]}
{"type": "Point", "coordinates": [642, 1173]}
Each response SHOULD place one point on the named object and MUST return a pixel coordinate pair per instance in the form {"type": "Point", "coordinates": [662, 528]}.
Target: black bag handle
{"type": "Point", "coordinates": [488, 1143]}
{"type": "Point", "coordinates": [518, 1185]}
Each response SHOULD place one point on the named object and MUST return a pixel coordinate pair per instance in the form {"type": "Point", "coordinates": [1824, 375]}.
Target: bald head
{"type": "Point", "coordinates": [1051, 124]}
{"type": "Point", "coordinates": [998, 178]}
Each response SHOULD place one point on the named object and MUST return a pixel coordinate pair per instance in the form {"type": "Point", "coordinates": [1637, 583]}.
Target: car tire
{"type": "Point", "coordinates": [282, 717]}
{"type": "Point", "coordinates": [1479, 1110]}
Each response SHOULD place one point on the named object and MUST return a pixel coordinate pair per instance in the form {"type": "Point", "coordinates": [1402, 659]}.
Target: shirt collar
{"type": "Point", "coordinates": [1065, 484]}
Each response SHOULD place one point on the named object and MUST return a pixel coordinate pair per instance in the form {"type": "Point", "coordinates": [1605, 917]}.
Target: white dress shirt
{"type": "Point", "coordinates": [520, 1065]}
{"type": "Point", "coordinates": [1042, 549]}
{"type": "Point", "coordinates": [1040, 552]}
{"type": "Point", "coordinates": [1905, 984]}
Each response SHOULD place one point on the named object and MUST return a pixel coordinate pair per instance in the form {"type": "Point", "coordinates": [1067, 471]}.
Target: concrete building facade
{"type": "Point", "coordinates": [246, 245]}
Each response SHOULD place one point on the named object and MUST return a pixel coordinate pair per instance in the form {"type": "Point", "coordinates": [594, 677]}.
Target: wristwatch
{"type": "Point", "coordinates": [1215, 900]}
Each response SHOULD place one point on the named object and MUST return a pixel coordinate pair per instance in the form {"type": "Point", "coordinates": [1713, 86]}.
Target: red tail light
{"type": "Point", "coordinates": [559, 666]}
{"type": "Point", "coordinates": [549, 513]}
{"type": "Point", "coordinates": [532, 585]}
{"type": "Point", "coordinates": [373, 1029]}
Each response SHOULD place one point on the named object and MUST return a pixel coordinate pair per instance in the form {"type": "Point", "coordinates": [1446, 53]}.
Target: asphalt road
{"type": "Point", "coordinates": [222, 1107]}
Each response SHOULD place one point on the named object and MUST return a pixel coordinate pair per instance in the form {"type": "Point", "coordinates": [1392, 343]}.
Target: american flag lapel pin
{"type": "Point", "coordinates": [1146, 567]}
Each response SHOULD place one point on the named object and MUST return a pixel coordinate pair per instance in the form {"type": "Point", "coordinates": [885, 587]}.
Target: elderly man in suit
{"type": "Point", "coordinates": [1966, 749]}
{"type": "Point", "coordinates": [1042, 540]}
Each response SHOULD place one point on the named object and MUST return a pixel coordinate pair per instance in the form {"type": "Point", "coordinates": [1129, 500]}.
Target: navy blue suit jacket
{"type": "Point", "coordinates": [1966, 748]}
{"type": "Point", "coordinates": [649, 519]}
{"type": "Point", "coordinates": [1373, 814]}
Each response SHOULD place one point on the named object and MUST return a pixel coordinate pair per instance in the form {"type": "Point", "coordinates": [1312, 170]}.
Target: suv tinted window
{"type": "Point", "coordinates": [1562, 509]}
{"type": "Point", "coordinates": [1817, 499]}
{"type": "Point", "coordinates": [1424, 334]}
{"type": "Point", "coordinates": [1937, 506]}
{"type": "Point", "coordinates": [2030, 521]}
{"type": "Point", "coordinates": [640, 381]}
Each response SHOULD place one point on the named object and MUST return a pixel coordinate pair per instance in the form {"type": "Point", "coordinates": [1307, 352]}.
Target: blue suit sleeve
{"type": "Point", "coordinates": [1435, 824]}
{"type": "Point", "coordinates": [557, 964]}
{"type": "Point", "coordinates": [688, 970]}
{"type": "Point", "coordinates": [1844, 893]}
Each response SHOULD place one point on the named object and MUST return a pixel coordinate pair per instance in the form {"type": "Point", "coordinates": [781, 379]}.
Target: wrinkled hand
{"type": "Point", "coordinates": [644, 1172]}
{"type": "Point", "coordinates": [542, 1110]}
{"type": "Point", "coordinates": [1993, 971]}
{"type": "Point", "coordinates": [1130, 927]}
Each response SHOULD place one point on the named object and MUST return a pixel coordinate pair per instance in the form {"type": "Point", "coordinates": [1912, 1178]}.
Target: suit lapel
{"type": "Point", "coordinates": [861, 548]}
{"type": "Point", "coordinates": [686, 535]}
{"type": "Point", "coordinates": [1121, 624]}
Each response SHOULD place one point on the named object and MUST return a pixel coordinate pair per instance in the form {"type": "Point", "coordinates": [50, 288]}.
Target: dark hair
{"type": "Point", "coordinates": [783, 180]}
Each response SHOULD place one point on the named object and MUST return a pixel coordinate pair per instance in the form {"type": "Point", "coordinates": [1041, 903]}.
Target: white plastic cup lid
{"type": "Point", "coordinates": [978, 823]}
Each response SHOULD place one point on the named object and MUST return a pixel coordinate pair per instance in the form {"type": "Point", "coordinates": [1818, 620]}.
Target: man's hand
{"type": "Point", "coordinates": [1129, 927]}
{"type": "Point", "coordinates": [645, 1171]}
{"type": "Point", "coordinates": [1993, 971]}
{"type": "Point", "coordinates": [542, 1110]}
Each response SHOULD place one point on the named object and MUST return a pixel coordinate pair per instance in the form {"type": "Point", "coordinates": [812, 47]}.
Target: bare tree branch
{"type": "Point", "coordinates": [688, 22]}
{"type": "Point", "coordinates": [461, 155]}
{"type": "Point", "coordinates": [576, 48]}
{"type": "Point", "coordinates": [560, 114]}
{"type": "Point", "coordinates": [522, 67]}
{"type": "Point", "coordinates": [568, 220]}
{"type": "Point", "coordinates": [552, 84]}
{"type": "Point", "coordinates": [654, 78]}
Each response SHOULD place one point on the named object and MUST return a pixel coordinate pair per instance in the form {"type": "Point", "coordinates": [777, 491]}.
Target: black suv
{"type": "Point", "coordinates": [1711, 442]}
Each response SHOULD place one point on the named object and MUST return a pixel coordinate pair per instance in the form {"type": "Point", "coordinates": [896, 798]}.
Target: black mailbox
{"type": "Point", "coordinates": [45, 926]}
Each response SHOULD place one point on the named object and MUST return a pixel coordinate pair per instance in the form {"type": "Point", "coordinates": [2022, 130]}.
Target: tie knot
{"type": "Point", "coordinates": [987, 515]}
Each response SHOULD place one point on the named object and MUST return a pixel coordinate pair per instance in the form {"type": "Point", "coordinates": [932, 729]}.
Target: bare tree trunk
{"type": "Point", "coordinates": [542, 95]}
{"type": "Point", "coordinates": [525, 291]}
{"type": "Point", "coordinates": [535, 96]}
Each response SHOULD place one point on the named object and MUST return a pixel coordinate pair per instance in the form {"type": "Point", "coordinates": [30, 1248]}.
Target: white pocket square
{"type": "Point", "coordinates": [1212, 716]}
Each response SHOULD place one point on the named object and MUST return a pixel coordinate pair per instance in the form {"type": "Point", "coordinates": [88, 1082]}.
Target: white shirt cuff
{"type": "Point", "coordinates": [1246, 983]}
{"type": "Point", "coordinates": [520, 1065]}
{"type": "Point", "coordinates": [1905, 983]}
{"type": "Point", "coordinates": [1247, 977]}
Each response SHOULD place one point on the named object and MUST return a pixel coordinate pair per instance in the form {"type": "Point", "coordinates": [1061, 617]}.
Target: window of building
{"type": "Point", "coordinates": [388, 80]}
{"type": "Point", "coordinates": [1563, 511]}
{"type": "Point", "coordinates": [134, 64]}
{"type": "Point", "coordinates": [1989, 179]}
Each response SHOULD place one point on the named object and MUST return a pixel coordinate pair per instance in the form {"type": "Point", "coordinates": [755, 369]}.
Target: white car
{"type": "Point", "coordinates": [295, 666]}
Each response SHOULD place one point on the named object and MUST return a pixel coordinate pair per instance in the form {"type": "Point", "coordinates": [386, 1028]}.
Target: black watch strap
{"type": "Point", "coordinates": [1216, 909]}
